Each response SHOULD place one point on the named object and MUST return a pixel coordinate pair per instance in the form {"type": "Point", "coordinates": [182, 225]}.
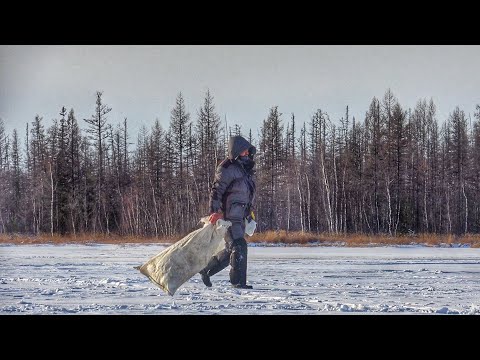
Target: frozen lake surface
{"type": "Point", "coordinates": [100, 279]}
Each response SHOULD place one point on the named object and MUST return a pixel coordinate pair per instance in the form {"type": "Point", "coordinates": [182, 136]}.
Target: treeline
{"type": "Point", "coordinates": [394, 171]}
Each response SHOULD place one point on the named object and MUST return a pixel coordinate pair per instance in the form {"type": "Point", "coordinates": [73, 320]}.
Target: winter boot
{"type": "Point", "coordinates": [238, 286]}
{"type": "Point", "coordinates": [205, 278]}
{"type": "Point", "coordinates": [238, 263]}
{"type": "Point", "coordinates": [214, 266]}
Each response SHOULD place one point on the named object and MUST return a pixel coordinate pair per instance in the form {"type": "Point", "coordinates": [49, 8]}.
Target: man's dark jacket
{"type": "Point", "coordinates": [233, 190]}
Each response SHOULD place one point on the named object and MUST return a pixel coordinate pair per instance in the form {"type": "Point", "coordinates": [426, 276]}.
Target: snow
{"type": "Point", "coordinates": [100, 279]}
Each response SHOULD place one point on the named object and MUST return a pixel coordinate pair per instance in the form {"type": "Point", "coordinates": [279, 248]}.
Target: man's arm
{"type": "Point", "coordinates": [223, 178]}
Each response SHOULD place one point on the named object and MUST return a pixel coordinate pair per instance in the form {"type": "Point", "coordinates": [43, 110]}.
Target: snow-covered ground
{"type": "Point", "coordinates": [100, 279]}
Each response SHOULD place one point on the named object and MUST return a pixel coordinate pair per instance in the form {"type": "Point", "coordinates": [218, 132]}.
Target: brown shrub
{"type": "Point", "coordinates": [270, 237]}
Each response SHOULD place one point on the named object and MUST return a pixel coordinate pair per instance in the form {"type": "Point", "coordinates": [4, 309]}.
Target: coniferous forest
{"type": "Point", "coordinates": [389, 171]}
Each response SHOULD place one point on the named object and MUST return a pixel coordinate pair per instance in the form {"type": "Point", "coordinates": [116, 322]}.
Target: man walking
{"type": "Point", "coordinates": [231, 197]}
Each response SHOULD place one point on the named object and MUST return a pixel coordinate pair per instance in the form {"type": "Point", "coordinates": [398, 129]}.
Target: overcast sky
{"type": "Point", "coordinates": [142, 82]}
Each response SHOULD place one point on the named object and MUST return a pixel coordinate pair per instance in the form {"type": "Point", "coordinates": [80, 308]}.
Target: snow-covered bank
{"type": "Point", "coordinates": [100, 279]}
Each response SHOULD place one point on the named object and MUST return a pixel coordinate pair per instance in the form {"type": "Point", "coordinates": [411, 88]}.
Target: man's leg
{"type": "Point", "coordinates": [238, 257]}
{"type": "Point", "coordinates": [218, 262]}
{"type": "Point", "coordinates": [238, 263]}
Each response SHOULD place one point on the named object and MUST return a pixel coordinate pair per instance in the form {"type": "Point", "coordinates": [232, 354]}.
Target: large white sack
{"type": "Point", "coordinates": [179, 262]}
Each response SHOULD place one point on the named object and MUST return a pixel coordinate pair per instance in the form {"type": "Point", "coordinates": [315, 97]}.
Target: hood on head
{"type": "Point", "coordinates": [237, 145]}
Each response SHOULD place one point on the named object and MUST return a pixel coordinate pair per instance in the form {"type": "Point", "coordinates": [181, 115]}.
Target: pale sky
{"type": "Point", "coordinates": [141, 82]}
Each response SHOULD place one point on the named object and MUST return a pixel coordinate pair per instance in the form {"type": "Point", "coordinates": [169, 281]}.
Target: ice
{"type": "Point", "coordinates": [100, 279]}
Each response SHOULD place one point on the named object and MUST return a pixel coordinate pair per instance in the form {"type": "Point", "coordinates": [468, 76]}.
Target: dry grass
{"type": "Point", "coordinates": [352, 240]}
{"type": "Point", "coordinates": [268, 237]}
{"type": "Point", "coordinates": [81, 239]}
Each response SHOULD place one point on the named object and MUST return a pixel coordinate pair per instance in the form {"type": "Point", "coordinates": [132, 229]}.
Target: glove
{"type": "Point", "coordinates": [214, 217]}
